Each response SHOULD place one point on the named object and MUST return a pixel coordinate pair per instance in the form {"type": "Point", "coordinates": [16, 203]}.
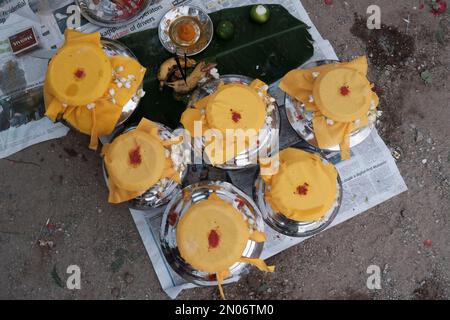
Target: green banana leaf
{"type": "Point", "coordinates": [264, 51]}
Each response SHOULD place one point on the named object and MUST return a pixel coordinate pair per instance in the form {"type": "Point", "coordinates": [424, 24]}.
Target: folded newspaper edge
{"type": "Point", "coordinates": [18, 138]}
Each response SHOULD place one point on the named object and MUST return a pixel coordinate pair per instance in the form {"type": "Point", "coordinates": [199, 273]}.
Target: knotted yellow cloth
{"type": "Point", "coordinates": [137, 160]}
{"type": "Point", "coordinates": [235, 107]}
{"type": "Point", "coordinates": [304, 189]}
{"type": "Point", "coordinates": [339, 95]}
{"type": "Point", "coordinates": [212, 235]}
{"type": "Point", "coordinates": [87, 88]}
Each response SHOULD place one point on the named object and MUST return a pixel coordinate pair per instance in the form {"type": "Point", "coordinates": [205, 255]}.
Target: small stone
{"type": "Point", "coordinates": [419, 136]}
{"type": "Point", "coordinates": [115, 292]}
{"type": "Point", "coordinates": [424, 161]}
{"type": "Point", "coordinates": [129, 278]}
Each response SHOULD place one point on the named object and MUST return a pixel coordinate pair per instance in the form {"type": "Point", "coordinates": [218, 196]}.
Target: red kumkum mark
{"type": "Point", "coordinates": [172, 218]}
{"type": "Point", "coordinates": [212, 277]}
{"type": "Point", "coordinates": [79, 74]}
{"type": "Point", "coordinates": [213, 239]}
{"type": "Point", "coordinates": [345, 90]}
{"type": "Point", "coordinates": [135, 156]}
{"type": "Point", "coordinates": [235, 116]}
{"type": "Point", "coordinates": [302, 189]}
{"type": "Point", "coordinates": [300, 117]}
{"type": "Point", "coordinates": [240, 204]}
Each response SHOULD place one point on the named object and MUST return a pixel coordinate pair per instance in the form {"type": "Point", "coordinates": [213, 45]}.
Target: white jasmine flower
{"type": "Point", "coordinates": [315, 74]}
{"type": "Point", "coordinates": [119, 84]}
{"type": "Point", "coordinates": [64, 105]}
{"type": "Point", "coordinates": [131, 77]}
{"type": "Point", "coordinates": [311, 99]}
{"type": "Point", "coordinates": [90, 106]}
{"type": "Point", "coordinates": [167, 153]}
{"type": "Point", "coordinates": [214, 73]}
{"type": "Point", "coordinates": [127, 85]}
{"type": "Point", "coordinates": [265, 87]}
{"type": "Point", "coordinates": [357, 122]}
{"type": "Point", "coordinates": [112, 92]}
{"type": "Point", "coordinates": [270, 108]}
{"type": "Point", "coordinates": [330, 122]}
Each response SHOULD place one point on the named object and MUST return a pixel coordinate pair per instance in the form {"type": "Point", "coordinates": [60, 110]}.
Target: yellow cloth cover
{"type": "Point", "coordinates": [340, 97]}
{"type": "Point", "coordinates": [304, 189]}
{"type": "Point", "coordinates": [135, 161]}
{"type": "Point", "coordinates": [81, 85]}
{"type": "Point", "coordinates": [212, 235]}
{"type": "Point", "coordinates": [233, 106]}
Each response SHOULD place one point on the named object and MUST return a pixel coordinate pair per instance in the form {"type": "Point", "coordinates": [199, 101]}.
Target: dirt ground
{"type": "Point", "coordinates": [408, 236]}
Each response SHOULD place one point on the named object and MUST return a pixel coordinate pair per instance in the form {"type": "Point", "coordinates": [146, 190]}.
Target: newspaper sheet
{"type": "Point", "coordinates": [22, 121]}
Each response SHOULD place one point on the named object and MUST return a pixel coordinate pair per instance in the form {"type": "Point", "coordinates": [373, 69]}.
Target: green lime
{"type": "Point", "coordinates": [225, 29]}
{"type": "Point", "coordinates": [260, 13]}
